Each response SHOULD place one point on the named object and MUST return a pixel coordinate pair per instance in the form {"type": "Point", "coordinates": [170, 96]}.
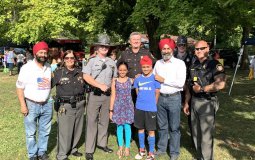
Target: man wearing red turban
{"type": "Point", "coordinates": [171, 73]}
{"type": "Point", "coordinates": [33, 89]}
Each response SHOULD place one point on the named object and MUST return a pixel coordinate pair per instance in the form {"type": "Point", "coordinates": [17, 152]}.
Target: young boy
{"type": "Point", "coordinates": [147, 89]}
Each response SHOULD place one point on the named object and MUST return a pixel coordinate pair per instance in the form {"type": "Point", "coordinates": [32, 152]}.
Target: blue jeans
{"type": "Point", "coordinates": [169, 109]}
{"type": "Point", "coordinates": [39, 115]}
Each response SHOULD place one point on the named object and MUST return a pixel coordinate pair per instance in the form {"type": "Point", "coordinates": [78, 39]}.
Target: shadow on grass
{"type": "Point", "coordinates": [186, 139]}
{"type": "Point", "coordinates": [235, 120]}
{"type": "Point", "coordinates": [53, 137]}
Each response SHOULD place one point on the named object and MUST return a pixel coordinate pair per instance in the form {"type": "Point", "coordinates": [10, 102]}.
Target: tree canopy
{"type": "Point", "coordinates": [33, 20]}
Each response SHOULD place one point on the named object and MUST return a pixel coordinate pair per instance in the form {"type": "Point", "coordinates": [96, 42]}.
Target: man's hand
{"type": "Point", "coordinates": [137, 75]}
{"type": "Point", "coordinates": [103, 87]}
{"type": "Point", "coordinates": [24, 110]}
{"type": "Point", "coordinates": [110, 115]}
{"type": "Point", "coordinates": [159, 78]}
{"type": "Point", "coordinates": [186, 109]}
{"type": "Point", "coordinates": [196, 87]}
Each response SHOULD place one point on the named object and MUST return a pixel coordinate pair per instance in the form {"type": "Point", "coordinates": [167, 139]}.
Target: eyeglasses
{"type": "Point", "coordinates": [67, 58]}
{"type": "Point", "coordinates": [201, 48]}
{"type": "Point", "coordinates": [181, 45]}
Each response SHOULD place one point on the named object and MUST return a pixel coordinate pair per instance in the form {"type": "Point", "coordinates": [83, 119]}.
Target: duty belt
{"type": "Point", "coordinates": [70, 99]}
{"type": "Point", "coordinates": [205, 95]}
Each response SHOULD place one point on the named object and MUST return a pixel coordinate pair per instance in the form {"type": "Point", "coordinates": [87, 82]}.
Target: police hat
{"type": "Point", "coordinates": [103, 40]}
{"type": "Point", "coordinates": [181, 40]}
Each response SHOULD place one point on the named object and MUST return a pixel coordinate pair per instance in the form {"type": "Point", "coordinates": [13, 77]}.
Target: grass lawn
{"type": "Point", "coordinates": [234, 138]}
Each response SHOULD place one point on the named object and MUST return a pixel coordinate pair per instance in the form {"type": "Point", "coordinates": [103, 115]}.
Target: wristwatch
{"type": "Point", "coordinates": [111, 110]}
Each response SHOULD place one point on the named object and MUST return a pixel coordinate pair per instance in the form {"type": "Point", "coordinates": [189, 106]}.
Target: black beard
{"type": "Point", "coordinates": [41, 59]}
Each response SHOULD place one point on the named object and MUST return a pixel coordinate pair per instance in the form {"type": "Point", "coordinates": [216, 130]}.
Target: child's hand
{"type": "Point", "coordinates": [137, 75]}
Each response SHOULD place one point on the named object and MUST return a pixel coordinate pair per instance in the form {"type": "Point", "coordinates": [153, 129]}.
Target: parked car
{"type": "Point", "coordinates": [230, 56]}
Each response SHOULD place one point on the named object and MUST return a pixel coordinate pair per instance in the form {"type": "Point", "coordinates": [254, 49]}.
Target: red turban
{"type": "Point", "coordinates": [167, 41]}
{"type": "Point", "coordinates": [40, 46]}
{"type": "Point", "coordinates": [145, 60]}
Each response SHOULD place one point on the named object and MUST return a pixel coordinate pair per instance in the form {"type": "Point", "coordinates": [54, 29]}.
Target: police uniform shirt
{"type": "Point", "coordinates": [204, 73]}
{"type": "Point", "coordinates": [133, 60]}
{"type": "Point", "coordinates": [68, 83]}
{"type": "Point", "coordinates": [105, 69]}
{"type": "Point", "coordinates": [187, 58]}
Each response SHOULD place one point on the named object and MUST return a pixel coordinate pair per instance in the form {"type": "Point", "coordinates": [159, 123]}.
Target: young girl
{"type": "Point", "coordinates": [122, 108]}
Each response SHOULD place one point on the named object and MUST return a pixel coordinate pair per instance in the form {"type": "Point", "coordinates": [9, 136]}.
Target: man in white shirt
{"type": "Point", "coordinates": [171, 73]}
{"type": "Point", "coordinates": [33, 89]}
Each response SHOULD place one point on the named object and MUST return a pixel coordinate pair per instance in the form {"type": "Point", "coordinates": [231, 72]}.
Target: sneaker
{"type": "Point", "coordinates": [150, 157]}
{"type": "Point", "coordinates": [140, 155]}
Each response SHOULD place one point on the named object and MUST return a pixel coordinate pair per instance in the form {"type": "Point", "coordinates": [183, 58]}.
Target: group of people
{"type": "Point", "coordinates": [11, 58]}
{"type": "Point", "coordinates": [140, 94]}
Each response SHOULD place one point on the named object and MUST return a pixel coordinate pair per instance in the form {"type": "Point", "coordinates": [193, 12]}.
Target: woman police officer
{"type": "Point", "coordinates": [69, 104]}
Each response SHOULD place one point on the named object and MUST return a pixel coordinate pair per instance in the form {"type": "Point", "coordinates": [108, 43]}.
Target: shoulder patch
{"type": "Point", "coordinates": [219, 68]}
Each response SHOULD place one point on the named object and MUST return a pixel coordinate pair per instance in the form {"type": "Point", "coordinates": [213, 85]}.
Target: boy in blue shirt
{"type": "Point", "coordinates": [147, 89]}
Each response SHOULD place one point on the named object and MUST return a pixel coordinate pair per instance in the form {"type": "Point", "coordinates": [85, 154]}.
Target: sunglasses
{"type": "Point", "coordinates": [181, 45]}
{"type": "Point", "coordinates": [67, 58]}
{"type": "Point", "coordinates": [201, 48]}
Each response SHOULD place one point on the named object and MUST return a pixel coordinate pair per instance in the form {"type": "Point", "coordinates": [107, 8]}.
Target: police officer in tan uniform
{"type": "Point", "coordinates": [98, 73]}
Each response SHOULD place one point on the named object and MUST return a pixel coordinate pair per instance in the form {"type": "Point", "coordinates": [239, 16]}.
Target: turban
{"type": "Point", "coordinates": [40, 46]}
{"type": "Point", "coordinates": [145, 60]}
{"type": "Point", "coordinates": [167, 41]}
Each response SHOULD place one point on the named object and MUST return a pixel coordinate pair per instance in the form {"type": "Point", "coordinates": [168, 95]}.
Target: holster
{"type": "Point", "coordinates": [88, 88]}
{"type": "Point", "coordinates": [99, 92]}
{"type": "Point", "coordinates": [56, 106]}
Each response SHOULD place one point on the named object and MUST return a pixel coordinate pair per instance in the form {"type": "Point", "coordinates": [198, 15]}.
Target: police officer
{"type": "Point", "coordinates": [183, 54]}
{"type": "Point", "coordinates": [132, 57]}
{"type": "Point", "coordinates": [99, 72]}
{"type": "Point", "coordinates": [208, 77]}
{"type": "Point", "coordinates": [69, 104]}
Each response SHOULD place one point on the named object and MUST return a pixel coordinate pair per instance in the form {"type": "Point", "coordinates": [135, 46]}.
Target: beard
{"type": "Point", "coordinates": [166, 56]}
{"type": "Point", "coordinates": [41, 59]}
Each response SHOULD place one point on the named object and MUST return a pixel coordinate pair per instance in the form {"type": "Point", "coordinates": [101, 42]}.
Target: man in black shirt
{"type": "Point", "coordinates": [207, 77]}
{"type": "Point", "coordinates": [133, 55]}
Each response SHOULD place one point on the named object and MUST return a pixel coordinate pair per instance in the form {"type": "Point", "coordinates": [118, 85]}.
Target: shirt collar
{"type": "Point", "coordinates": [73, 71]}
{"type": "Point", "coordinates": [45, 66]}
{"type": "Point", "coordinates": [170, 61]}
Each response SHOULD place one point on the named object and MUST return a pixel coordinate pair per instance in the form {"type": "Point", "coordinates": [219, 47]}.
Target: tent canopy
{"type": "Point", "coordinates": [249, 41]}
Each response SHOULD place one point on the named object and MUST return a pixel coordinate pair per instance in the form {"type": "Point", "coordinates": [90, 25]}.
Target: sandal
{"type": "Point", "coordinates": [127, 152]}
{"type": "Point", "coordinates": [120, 153]}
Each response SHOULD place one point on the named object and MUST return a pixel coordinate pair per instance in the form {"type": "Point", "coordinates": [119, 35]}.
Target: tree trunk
{"type": "Point", "coordinates": [244, 60]}
{"type": "Point", "coordinates": [152, 25]}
